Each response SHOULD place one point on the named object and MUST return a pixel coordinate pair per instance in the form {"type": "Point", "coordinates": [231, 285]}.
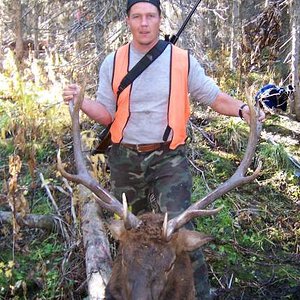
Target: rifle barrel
{"type": "Point", "coordinates": [175, 37]}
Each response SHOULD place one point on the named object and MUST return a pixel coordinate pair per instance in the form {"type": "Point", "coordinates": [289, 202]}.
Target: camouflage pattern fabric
{"type": "Point", "coordinates": [164, 174]}
{"type": "Point", "coordinates": [202, 285]}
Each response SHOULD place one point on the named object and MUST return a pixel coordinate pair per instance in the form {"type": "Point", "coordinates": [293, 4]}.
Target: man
{"type": "Point", "coordinates": [149, 120]}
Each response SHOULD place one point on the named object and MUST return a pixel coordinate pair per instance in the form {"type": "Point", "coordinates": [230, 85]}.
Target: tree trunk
{"type": "Point", "coordinates": [36, 29]}
{"type": "Point", "coordinates": [211, 30]}
{"type": "Point", "coordinates": [295, 11]}
{"type": "Point", "coordinates": [17, 7]}
{"type": "Point", "coordinates": [234, 35]}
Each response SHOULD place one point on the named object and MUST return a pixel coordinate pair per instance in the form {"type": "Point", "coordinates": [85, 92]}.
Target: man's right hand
{"type": "Point", "coordinates": [93, 109]}
{"type": "Point", "coordinates": [70, 93]}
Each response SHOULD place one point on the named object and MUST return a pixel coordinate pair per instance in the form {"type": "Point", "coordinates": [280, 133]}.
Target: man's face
{"type": "Point", "coordinates": [144, 22]}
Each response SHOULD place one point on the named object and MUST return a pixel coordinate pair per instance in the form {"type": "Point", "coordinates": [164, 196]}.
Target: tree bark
{"type": "Point", "coordinates": [97, 252]}
{"type": "Point", "coordinates": [234, 35]}
{"type": "Point", "coordinates": [295, 11]}
{"type": "Point", "coordinates": [36, 29]}
{"type": "Point", "coordinates": [31, 221]}
{"type": "Point", "coordinates": [17, 7]}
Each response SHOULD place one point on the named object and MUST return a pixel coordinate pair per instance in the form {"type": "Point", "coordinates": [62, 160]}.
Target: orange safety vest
{"type": "Point", "coordinates": [179, 106]}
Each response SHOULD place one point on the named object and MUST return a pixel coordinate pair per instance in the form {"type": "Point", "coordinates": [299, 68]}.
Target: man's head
{"type": "Point", "coordinates": [143, 19]}
{"type": "Point", "coordinates": [132, 2]}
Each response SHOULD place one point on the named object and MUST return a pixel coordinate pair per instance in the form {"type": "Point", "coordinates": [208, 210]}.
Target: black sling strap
{"type": "Point", "coordinates": [143, 63]}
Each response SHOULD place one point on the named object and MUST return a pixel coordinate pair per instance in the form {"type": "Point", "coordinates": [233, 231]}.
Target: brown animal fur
{"type": "Point", "coordinates": [148, 267]}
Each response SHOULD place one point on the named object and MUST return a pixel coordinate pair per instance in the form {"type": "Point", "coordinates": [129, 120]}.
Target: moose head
{"type": "Point", "coordinates": [153, 261]}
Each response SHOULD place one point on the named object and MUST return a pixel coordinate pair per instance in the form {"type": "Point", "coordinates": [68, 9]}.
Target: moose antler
{"type": "Point", "coordinates": [237, 179]}
{"type": "Point", "coordinates": [105, 199]}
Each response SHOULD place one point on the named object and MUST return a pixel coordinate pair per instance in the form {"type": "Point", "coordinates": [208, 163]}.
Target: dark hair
{"type": "Point", "coordinates": [132, 2]}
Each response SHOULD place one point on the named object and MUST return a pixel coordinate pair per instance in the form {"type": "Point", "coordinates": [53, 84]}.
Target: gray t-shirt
{"type": "Point", "coordinates": [150, 93]}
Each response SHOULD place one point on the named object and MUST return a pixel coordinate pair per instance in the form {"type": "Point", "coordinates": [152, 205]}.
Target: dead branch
{"type": "Point", "coordinates": [97, 255]}
{"type": "Point", "coordinates": [46, 222]}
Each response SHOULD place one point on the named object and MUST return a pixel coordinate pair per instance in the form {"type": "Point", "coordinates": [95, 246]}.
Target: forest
{"type": "Point", "coordinates": [54, 238]}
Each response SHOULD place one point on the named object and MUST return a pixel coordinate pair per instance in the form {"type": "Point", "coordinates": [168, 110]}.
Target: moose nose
{"type": "Point", "coordinates": [141, 292]}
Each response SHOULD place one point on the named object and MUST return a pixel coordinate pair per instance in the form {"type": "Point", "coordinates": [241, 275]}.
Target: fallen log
{"type": "Point", "coordinates": [46, 222]}
{"type": "Point", "coordinates": [97, 251]}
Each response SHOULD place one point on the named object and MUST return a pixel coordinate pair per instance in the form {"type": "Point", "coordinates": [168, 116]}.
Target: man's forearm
{"type": "Point", "coordinates": [96, 111]}
{"type": "Point", "coordinates": [226, 105]}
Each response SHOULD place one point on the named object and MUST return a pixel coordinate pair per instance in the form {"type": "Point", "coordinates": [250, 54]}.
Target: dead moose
{"type": "Point", "coordinates": [153, 261]}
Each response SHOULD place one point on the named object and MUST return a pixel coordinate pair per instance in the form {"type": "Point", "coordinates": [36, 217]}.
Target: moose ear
{"type": "Point", "coordinates": [117, 229]}
{"type": "Point", "coordinates": [188, 240]}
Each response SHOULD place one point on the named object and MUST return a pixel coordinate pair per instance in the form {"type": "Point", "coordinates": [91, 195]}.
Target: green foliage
{"type": "Point", "coordinates": [233, 135]}
{"type": "Point", "coordinates": [219, 226]}
{"type": "Point", "coordinates": [258, 218]}
{"type": "Point", "coordinates": [32, 118]}
{"type": "Point", "coordinates": [6, 149]}
{"type": "Point", "coordinates": [36, 271]}
{"type": "Point", "coordinates": [29, 108]}
{"type": "Point", "coordinates": [275, 156]}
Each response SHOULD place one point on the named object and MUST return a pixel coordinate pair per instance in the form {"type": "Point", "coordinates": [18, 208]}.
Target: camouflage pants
{"type": "Point", "coordinates": [164, 174]}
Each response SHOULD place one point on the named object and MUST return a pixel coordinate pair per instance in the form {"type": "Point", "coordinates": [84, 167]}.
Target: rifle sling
{"type": "Point", "coordinates": [143, 63]}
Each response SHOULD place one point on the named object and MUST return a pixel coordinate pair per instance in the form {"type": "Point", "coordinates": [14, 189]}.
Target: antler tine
{"type": "Point", "coordinates": [74, 109]}
{"type": "Point", "coordinates": [126, 218]}
{"type": "Point", "coordinates": [237, 179]}
{"type": "Point", "coordinates": [105, 199]}
{"type": "Point", "coordinates": [165, 227]}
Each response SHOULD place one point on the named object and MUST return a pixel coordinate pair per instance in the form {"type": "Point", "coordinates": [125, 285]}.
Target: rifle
{"type": "Point", "coordinates": [174, 38]}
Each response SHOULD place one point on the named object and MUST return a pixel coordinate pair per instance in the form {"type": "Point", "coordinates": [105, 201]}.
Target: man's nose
{"type": "Point", "coordinates": [144, 21]}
